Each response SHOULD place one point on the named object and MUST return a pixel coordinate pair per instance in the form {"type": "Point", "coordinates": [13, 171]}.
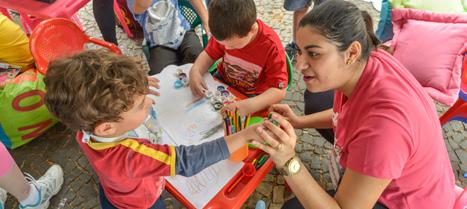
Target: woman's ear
{"type": "Point", "coordinates": [105, 129]}
{"type": "Point", "coordinates": [353, 53]}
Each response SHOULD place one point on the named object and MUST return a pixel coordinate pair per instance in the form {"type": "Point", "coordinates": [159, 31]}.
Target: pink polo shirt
{"type": "Point", "coordinates": [389, 129]}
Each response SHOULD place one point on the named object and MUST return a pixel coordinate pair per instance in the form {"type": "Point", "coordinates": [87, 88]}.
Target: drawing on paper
{"type": "Point", "coordinates": [201, 181]}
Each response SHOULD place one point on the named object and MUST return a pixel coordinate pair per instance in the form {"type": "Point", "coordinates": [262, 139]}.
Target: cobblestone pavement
{"type": "Point", "coordinates": [80, 187]}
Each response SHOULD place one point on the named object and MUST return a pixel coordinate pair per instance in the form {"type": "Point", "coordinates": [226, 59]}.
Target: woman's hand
{"type": "Point", "coordinates": [154, 83]}
{"type": "Point", "coordinates": [277, 140]}
{"type": "Point", "coordinates": [285, 111]}
{"type": "Point", "coordinates": [196, 83]}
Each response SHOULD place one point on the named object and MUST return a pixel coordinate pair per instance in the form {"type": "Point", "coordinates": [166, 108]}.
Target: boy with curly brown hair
{"type": "Point", "coordinates": [102, 96]}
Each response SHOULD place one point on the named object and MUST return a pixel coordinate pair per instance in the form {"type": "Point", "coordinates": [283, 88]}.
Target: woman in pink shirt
{"type": "Point", "coordinates": [389, 151]}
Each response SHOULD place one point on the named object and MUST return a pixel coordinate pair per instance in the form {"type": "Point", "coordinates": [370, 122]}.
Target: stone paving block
{"type": "Point", "coordinates": [299, 147]}
{"type": "Point", "coordinates": [463, 144]}
{"type": "Point", "coordinates": [453, 157]}
{"type": "Point", "coordinates": [457, 126]}
{"type": "Point", "coordinates": [275, 206]}
{"type": "Point", "coordinates": [280, 180]}
{"type": "Point", "coordinates": [278, 194]}
{"type": "Point", "coordinates": [265, 189]}
{"type": "Point", "coordinates": [462, 154]}
{"type": "Point", "coordinates": [268, 178]}
{"type": "Point", "coordinates": [463, 167]}
{"type": "Point", "coordinates": [454, 145]}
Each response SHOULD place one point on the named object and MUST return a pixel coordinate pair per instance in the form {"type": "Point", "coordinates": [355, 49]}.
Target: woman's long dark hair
{"type": "Point", "coordinates": [343, 23]}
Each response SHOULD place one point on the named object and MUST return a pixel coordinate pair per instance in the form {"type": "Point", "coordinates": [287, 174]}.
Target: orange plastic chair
{"type": "Point", "coordinates": [459, 110]}
{"type": "Point", "coordinates": [59, 37]}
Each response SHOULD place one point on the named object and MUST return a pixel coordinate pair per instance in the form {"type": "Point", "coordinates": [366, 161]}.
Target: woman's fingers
{"type": "Point", "coordinates": [267, 138]}
{"type": "Point", "coordinates": [286, 126]}
{"type": "Point", "coordinates": [280, 107]}
{"type": "Point", "coordinates": [263, 147]}
{"type": "Point", "coordinates": [276, 130]}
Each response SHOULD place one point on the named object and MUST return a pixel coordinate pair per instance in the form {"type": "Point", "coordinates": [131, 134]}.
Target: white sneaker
{"type": "Point", "coordinates": [3, 196]}
{"type": "Point", "coordinates": [48, 185]}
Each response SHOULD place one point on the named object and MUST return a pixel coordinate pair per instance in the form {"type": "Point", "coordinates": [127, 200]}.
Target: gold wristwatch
{"type": "Point", "coordinates": [291, 167]}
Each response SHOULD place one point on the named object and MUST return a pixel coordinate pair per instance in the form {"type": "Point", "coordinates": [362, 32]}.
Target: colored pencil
{"type": "Point", "coordinates": [247, 120]}
{"type": "Point", "coordinates": [240, 127]}
{"type": "Point", "coordinates": [235, 183]}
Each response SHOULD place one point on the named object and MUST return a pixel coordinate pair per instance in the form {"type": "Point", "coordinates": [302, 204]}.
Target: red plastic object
{"type": "Point", "coordinates": [32, 12]}
{"type": "Point", "coordinates": [60, 8]}
{"type": "Point", "coordinates": [121, 18]}
{"type": "Point", "coordinates": [459, 110]}
{"type": "Point", "coordinates": [248, 170]}
{"type": "Point", "coordinates": [59, 37]}
{"type": "Point", "coordinates": [239, 193]}
{"type": "Point", "coordinates": [6, 13]}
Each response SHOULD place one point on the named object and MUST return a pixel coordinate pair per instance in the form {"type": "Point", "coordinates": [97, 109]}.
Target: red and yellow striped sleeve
{"type": "Point", "coordinates": [139, 158]}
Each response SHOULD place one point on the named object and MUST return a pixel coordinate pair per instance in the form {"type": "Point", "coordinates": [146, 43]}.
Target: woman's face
{"type": "Point", "coordinates": [320, 62]}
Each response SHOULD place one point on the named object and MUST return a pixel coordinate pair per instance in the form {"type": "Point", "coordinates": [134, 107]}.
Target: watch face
{"type": "Point", "coordinates": [294, 166]}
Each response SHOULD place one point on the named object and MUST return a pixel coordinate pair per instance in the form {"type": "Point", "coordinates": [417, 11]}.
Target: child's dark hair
{"type": "Point", "coordinates": [229, 18]}
{"type": "Point", "coordinates": [93, 87]}
{"type": "Point", "coordinates": [343, 23]}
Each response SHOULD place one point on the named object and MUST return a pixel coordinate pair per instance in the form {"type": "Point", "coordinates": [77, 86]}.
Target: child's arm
{"type": "Point", "coordinates": [139, 158]}
{"type": "Point", "coordinates": [202, 12]}
{"type": "Point", "coordinates": [193, 159]}
{"type": "Point", "coordinates": [199, 68]}
{"type": "Point", "coordinates": [258, 103]}
{"type": "Point", "coordinates": [141, 6]}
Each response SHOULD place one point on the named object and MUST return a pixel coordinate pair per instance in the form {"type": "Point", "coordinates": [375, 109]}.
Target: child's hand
{"type": "Point", "coordinates": [153, 82]}
{"type": "Point", "coordinates": [250, 133]}
{"type": "Point", "coordinates": [285, 111]}
{"type": "Point", "coordinates": [196, 83]}
{"type": "Point", "coordinates": [238, 105]}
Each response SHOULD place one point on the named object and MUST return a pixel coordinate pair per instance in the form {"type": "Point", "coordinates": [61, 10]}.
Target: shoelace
{"type": "Point", "coordinates": [48, 189]}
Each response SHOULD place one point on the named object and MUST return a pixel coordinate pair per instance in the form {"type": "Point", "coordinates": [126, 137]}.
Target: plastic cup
{"type": "Point", "coordinates": [239, 154]}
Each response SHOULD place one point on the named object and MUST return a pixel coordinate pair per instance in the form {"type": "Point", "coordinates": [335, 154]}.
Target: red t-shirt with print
{"type": "Point", "coordinates": [255, 68]}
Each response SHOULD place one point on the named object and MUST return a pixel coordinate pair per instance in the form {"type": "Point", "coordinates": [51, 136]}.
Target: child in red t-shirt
{"type": "Point", "coordinates": [253, 58]}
